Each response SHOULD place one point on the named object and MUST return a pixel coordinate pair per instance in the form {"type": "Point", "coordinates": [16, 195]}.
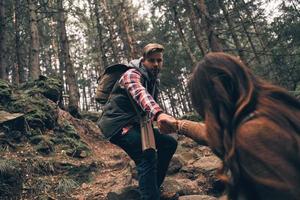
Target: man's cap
{"type": "Point", "coordinates": [151, 48]}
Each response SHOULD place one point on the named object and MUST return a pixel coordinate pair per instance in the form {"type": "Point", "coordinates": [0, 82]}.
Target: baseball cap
{"type": "Point", "coordinates": [151, 48]}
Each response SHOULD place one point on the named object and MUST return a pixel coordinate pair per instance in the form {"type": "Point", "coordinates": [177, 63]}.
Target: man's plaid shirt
{"type": "Point", "coordinates": [131, 81]}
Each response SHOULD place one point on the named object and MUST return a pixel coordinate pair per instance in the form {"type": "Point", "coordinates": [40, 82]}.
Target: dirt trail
{"type": "Point", "coordinates": [113, 169]}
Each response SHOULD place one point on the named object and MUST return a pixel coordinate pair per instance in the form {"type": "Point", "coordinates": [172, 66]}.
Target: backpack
{"type": "Point", "coordinates": [107, 81]}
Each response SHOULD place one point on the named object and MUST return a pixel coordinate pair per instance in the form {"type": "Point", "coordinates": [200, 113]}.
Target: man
{"type": "Point", "coordinates": [120, 121]}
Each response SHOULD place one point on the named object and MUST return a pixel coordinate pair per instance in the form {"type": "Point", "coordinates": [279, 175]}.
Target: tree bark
{"type": "Point", "coordinates": [17, 76]}
{"type": "Point", "coordinates": [71, 80]}
{"type": "Point", "coordinates": [173, 103]}
{"type": "Point", "coordinates": [180, 32]}
{"type": "Point", "coordinates": [125, 32]}
{"type": "Point", "coordinates": [194, 24]}
{"type": "Point", "coordinates": [107, 15]}
{"type": "Point", "coordinates": [3, 61]}
{"type": "Point", "coordinates": [102, 57]}
{"type": "Point", "coordinates": [34, 67]}
{"type": "Point", "coordinates": [213, 40]}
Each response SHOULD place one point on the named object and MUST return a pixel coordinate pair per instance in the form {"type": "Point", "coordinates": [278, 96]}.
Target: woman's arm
{"type": "Point", "coordinates": [194, 130]}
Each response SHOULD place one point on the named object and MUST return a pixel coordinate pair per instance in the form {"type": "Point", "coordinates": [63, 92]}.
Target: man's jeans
{"type": "Point", "coordinates": [151, 167]}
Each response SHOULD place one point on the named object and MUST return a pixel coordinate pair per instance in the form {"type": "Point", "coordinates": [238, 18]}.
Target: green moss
{"type": "Point", "coordinates": [37, 139]}
{"type": "Point", "coordinates": [5, 91]}
{"type": "Point", "coordinates": [82, 173]}
{"type": "Point", "coordinates": [70, 131]}
{"type": "Point", "coordinates": [39, 113]}
{"type": "Point", "coordinates": [45, 147]}
{"type": "Point", "coordinates": [10, 179]}
{"type": "Point", "coordinates": [66, 185]}
{"type": "Point", "coordinates": [67, 136]}
{"type": "Point", "coordinates": [49, 87]}
{"type": "Point", "coordinates": [44, 167]}
{"type": "Point", "coordinates": [75, 148]}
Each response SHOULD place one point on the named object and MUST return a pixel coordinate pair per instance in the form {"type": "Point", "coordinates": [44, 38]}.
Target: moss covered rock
{"type": "Point", "coordinates": [5, 92]}
{"type": "Point", "coordinates": [51, 88]}
{"type": "Point", "coordinates": [72, 144]}
{"type": "Point", "coordinates": [32, 99]}
{"type": "Point", "coordinates": [10, 179]}
{"type": "Point", "coordinates": [39, 112]}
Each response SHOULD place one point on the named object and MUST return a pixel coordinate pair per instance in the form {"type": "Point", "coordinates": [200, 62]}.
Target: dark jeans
{"type": "Point", "coordinates": [151, 167]}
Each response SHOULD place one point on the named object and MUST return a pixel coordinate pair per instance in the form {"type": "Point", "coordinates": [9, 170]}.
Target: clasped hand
{"type": "Point", "coordinates": [166, 123]}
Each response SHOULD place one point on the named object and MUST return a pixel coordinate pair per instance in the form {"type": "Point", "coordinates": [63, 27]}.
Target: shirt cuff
{"type": "Point", "coordinates": [155, 115]}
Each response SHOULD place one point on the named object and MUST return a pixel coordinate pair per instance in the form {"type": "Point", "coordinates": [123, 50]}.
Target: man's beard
{"type": "Point", "coordinates": [154, 71]}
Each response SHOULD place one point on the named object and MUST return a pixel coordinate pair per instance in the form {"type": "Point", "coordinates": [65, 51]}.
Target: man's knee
{"type": "Point", "coordinates": [168, 143]}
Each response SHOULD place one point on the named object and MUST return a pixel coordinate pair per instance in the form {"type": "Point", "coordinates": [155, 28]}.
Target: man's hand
{"type": "Point", "coordinates": [166, 123]}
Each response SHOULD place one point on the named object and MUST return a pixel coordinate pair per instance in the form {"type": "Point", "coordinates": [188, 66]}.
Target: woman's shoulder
{"type": "Point", "coordinates": [260, 130]}
{"type": "Point", "coordinates": [255, 125]}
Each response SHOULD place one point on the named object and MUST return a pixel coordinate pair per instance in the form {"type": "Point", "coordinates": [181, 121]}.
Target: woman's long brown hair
{"type": "Point", "coordinates": [224, 92]}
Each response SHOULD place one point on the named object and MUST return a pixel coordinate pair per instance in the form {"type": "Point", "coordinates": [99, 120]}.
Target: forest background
{"type": "Point", "coordinates": [74, 40]}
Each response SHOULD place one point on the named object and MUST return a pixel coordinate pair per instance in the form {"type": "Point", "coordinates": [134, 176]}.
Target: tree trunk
{"type": "Point", "coordinates": [71, 80]}
{"type": "Point", "coordinates": [183, 98]}
{"type": "Point", "coordinates": [162, 101]}
{"type": "Point", "coordinates": [194, 24]}
{"type": "Point", "coordinates": [3, 61]}
{"type": "Point", "coordinates": [232, 31]}
{"type": "Point", "coordinates": [213, 40]}
{"type": "Point", "coordinates": [125, 32]}
{"type": "Point", "coordinates": [54, 48]}
{"type": "Point", "coordinates": [90, 32]}
{"type": "Point", "coordinates": [107, 15]}
{"type": "Point", "coordinates": [180, 33]}
{"type": "Point", "coordinates": [102, 57]}
{"type": "Point", "coordinates": [34, 67]}
{"type": "Point", "coordinates": [17, 68]}
{"type": "Point", "coordinates": [172, 103]}
{"type": "Point", "coordinates": [85, 98]}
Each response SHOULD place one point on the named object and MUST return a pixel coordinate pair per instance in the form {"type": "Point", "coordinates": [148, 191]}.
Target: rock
{"type": "Point", "coordinates": [181, 186]}
{"type": "Point", "coordinates": [197, 197]}
{"type": "Point", "coordinates": [133, 170]}
{"type": "Point", "coordinates": [11, 180]}
{"type": "Point", "coordinates": [93, 116]}
{"type": "Point", "coordinates": [207, 163]}
{"type": "Point", "coordinates": [6, 116]}
{"type": "Point", "coordinates": [128, 193]}
{"type": "Point", "coordinates": [188, 157]}
{"type": "Point", "coordinates": [175, 165]}
{"type": "Point", "coordinates": [50, 87]}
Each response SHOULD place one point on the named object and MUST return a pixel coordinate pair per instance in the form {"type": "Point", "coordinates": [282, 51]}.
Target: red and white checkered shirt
{"type": "Point", "coordinates": [131, 80]}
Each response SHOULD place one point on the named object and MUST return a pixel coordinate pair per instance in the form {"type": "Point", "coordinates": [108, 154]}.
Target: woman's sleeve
{"type": "Point", "coordinates": [194, 130]}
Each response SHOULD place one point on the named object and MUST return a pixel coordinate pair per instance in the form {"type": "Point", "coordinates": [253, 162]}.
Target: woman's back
{"type": "Point", "coordinates": [269, 159]}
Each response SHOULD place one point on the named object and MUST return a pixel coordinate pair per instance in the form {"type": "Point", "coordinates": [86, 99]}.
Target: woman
{"type": "Point", "coordinates": [253, 126]}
